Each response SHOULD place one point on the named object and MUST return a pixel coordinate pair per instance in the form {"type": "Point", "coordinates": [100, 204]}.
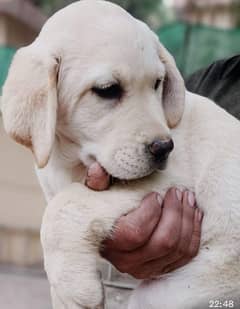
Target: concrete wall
{"type": "Point", "coordinates": [217, 13]}
{"type": "Point", "coordinates": [14, 33]}
{"type": "Point", "coordinates": [221, 17]}
{"type": "Point", "coordinates": [21, 204]}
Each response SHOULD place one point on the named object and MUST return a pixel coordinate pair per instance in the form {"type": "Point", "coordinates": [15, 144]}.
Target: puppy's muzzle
{"type": "Point", "coordinates": [160, 150]}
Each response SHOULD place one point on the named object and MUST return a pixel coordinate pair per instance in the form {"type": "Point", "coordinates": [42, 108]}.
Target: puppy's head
{"type": "Point", "coordinates": [100, 80]}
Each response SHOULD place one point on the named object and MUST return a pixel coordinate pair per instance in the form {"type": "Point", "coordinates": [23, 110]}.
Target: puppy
{"type": "Point", "coordinates": [97, 85]}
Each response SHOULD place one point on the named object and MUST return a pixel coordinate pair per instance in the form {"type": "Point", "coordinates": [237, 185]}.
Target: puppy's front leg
{"type": "Point", "coordinates": [75, 223]}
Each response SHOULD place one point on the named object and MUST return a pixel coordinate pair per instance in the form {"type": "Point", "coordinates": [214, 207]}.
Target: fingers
{"type": "Point", "coordinates": [97, 178]}
{"type": "Point", "coordinates": [194, 244]}
{"type": "Point", "coordinates": [196, 235]}
{"type": "Point", "coordinates": [187, 225]}
{"type": "Point", "coordinates": [174, 240]}
{"type": "Point", "coordinates": [185, 249]}
{"type": "Point", "coordinates": [167, 234]}
{"type": "Point", "coordinates": [162, 241]}
{"type": "Point", "coordinates": [189, 206]}
{"type": "Point", "coordinates": [134, 229]}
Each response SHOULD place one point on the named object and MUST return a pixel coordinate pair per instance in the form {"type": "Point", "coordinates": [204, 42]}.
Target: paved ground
{"type": "Point", "coordinates": [21, 291]}
{"type": "Point", "coordinates": [28, 289]}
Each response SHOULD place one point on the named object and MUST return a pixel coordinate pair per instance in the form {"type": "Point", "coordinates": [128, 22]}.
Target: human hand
{"type": "Point", "coordinates": [157, 237]}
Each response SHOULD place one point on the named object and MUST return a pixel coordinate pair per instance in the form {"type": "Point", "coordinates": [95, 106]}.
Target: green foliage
{"type": "Point", "coordinates": [183, 41]}
{"type": "Point", "coordinates": [138, 8]}
{"type": "Point", "coordinates": [50, 6]}
{"type": "Point", "coordinates": [6, 55]}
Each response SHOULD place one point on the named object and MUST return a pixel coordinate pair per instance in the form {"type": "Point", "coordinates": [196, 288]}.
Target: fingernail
{"type": "Point", "coordinates": [191, 199]}
{"type": "Point", "coordinates": [179, 194]}
{"type": "Point", "coordinates": [200, 215]}
{"type": "Point", "coordinates": [159, 199]}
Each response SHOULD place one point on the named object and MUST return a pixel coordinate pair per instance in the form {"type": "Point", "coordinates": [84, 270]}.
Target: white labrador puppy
{"type": "Point", "coordinates": [97, 85]}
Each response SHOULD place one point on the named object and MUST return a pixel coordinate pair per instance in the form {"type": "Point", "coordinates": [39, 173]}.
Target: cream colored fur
{"type": "Point", "coordinates": [48, 105]}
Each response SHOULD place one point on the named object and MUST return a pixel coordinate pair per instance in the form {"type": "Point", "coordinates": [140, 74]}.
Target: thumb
{"type": "Point", "coordinates": [97, 178]}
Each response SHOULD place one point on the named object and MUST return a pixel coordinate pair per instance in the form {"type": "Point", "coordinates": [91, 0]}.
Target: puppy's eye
{"type": "Point", "coordinates": [109, 92]}
{"type": "Point", "coordinates": [157, 84]}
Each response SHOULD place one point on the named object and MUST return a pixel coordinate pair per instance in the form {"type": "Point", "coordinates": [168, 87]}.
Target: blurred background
{"type": "Point", "coordinates": [196, 32]}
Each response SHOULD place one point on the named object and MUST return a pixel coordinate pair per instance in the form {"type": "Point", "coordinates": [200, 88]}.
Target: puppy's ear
{"type": "Point", "coordinates": [29, 101]}
{"type": "Point", "coordinates": [173, 89]}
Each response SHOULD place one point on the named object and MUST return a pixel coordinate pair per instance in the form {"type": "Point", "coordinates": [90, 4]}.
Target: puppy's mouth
{"type": "Point", "coordinates": [104, 175]}
{"type": "Point", "coordinates": [115, 180]}
{"type": "Point", "coordinates": [130, 163]}
{"type": "Point", "coordinates": [99, 179]}
{"type": "Point", "coordinates": [121, 180]}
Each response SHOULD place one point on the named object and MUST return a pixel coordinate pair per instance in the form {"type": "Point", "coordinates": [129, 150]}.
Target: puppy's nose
{"type": "Point", "coordinates": [161, 149]}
